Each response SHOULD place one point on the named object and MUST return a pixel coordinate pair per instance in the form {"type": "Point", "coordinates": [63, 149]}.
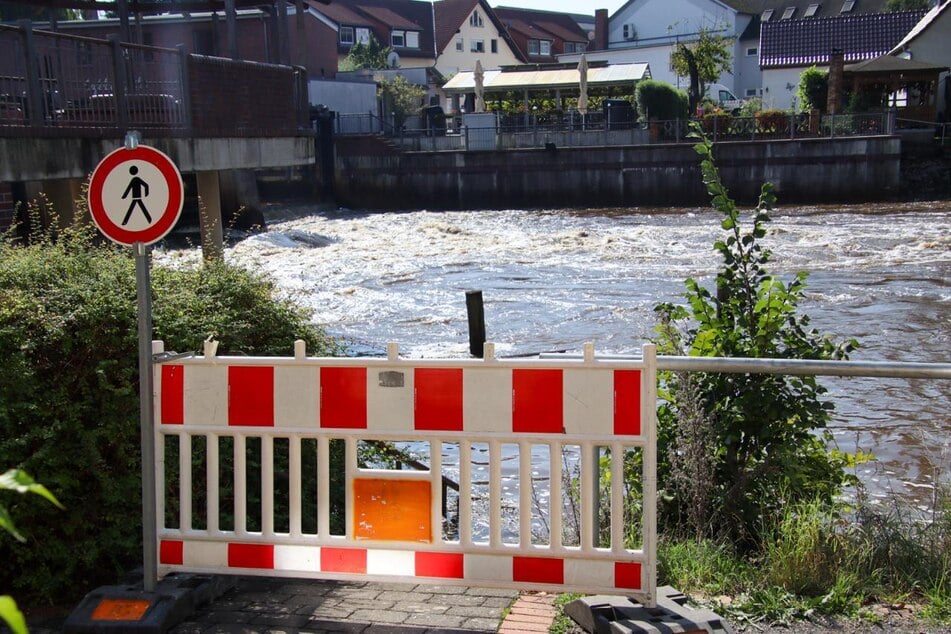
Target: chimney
{"type": "Point", "coordinates": [836, 66]}
{"type": "Point", "coordinates": [601, 30]}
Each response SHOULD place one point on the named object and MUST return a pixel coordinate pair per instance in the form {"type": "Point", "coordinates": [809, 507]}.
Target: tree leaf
{"type": "Point", "coordinates": [11, 615]}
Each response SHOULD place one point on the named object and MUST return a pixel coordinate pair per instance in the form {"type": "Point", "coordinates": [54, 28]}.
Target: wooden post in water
{"type": "Point", "coordinates": [476, 322]}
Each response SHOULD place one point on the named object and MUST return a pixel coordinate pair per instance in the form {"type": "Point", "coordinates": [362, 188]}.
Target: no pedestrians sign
{"type": "Point", "coordinates": [136, 195]}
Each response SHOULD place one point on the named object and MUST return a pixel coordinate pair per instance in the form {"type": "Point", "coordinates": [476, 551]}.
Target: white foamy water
{"type": "Point", "coordinates": [555, 279]}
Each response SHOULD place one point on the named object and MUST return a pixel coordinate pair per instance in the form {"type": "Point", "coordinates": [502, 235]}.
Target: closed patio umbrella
{"type": "Point", "coordinates": [479, 76]}
{"type": "Point", "coordinates": [583, 85]}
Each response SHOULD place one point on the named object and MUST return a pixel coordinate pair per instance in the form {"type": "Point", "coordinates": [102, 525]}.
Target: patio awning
{"type": "Point", "coordinates": [893, 64]}
{"type": "Point", "coordinates": [549, 79]}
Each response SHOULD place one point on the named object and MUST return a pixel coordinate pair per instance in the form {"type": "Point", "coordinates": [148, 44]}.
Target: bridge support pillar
{"type": "Point", "coordinates": [209, 216]}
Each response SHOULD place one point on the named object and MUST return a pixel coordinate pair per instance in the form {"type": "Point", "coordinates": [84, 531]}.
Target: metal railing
{"type": "Point", "coordinates": [570, 132]}
{"type": "Point", "coordinates": [60, 84]}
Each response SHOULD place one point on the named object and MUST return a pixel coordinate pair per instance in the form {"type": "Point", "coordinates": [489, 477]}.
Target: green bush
{"type": "Point", "coordinates": [69, 391]}
{"type": "Point", "coordinates": [772, 122]}
{"type": "Point", "coordinates": [659, 100]}
{"type": "Point", "coordinates": [768, 431]}
{"type": "Point", "coordinates": [813, 89]}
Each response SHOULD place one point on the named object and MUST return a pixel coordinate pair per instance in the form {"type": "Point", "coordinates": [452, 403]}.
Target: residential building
{"type": "Point", "coordinates": [928, 42]}
{"type": "Point", "coordinates": [543, 35]}
{"type": "Point", "coordinates": [469, 30]}
{"type": "Point", "coordinates": [787, 47]}
{"type": "Point", "coordinates": [406, 26]}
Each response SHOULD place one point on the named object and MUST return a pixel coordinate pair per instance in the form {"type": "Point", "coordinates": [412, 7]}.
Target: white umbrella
{"type": "Point", "coordinates": [583, 85]}
{"type": "Point", "coordinates": [479, 77]}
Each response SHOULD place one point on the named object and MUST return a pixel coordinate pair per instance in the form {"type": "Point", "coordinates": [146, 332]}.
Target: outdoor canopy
{"type": "Point", "coordinates": [539, 78]}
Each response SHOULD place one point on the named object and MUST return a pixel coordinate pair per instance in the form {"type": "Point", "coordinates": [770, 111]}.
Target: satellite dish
{"type": "Point", "coordinates": [393, 60]}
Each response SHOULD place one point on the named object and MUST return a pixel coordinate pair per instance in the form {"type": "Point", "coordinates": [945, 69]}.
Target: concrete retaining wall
{"type": "Point", "coordinates": [370, 175]}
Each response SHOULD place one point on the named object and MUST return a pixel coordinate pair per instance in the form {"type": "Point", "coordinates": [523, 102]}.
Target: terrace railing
{"type": "Point", "coordinates": [53, 84]}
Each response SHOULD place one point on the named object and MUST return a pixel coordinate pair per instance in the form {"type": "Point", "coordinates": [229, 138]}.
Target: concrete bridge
{"type": "Point", "coordinates": [66, 101]}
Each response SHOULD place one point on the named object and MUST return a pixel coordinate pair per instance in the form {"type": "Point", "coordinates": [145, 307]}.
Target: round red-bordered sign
{"type": "Point", "coordinates": [136, 195]}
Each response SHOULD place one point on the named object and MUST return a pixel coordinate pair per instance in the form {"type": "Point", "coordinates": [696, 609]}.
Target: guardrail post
{"type": "Point", "coordinates": [185, 86]}
{"type": "Point", "coordinates": [34, 93]}
{"type": "Point", "coordinates": [465, 133]}
{"type": "Point", "coordinates": [888, 125]}
{"type": "Point", "coordinates": [832, 127]}
{"type": "Point", "coordinates": [118, 83]}
{"type": "Point", "coordinates": [792, 125]}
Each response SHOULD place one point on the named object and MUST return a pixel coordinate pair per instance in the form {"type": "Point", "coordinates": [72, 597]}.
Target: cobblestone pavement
{"type": "Point", "coordinates": [298, 606]}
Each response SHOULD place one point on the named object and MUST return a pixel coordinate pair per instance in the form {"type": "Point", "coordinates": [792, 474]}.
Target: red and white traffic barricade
{"type": "Point", "coordinates": [541, 452]}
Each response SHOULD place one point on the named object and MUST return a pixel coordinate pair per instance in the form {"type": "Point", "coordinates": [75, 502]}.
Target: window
{"type": "Point", "coordinates": [477, 46]}
{"type": "Point", "coordinates": [412, 39]}
{"type": "Point", "coordinates": [544, 47]}
{"type": "Point", "coordinates": [460, 45]}
{"type": "Point", "coordinates": [494, 44]}
{"type": "Point", "coordinates": [750, 92]}
{"type": "Point", "coordinates": [811, 10]}
{"type": "Point", "coordinates": [767, 15]}
{"type": "Point", "coordinates": [346, 35]}
{"type": "Point", "coordinates": [848, 6]}
{"type": "Point", "coordinates": [533, 47]}
{"type": "Point", "coordinates": [476, 20]}
{"type": "Point", "coordinates": [363, 35]}
{"type": "Point", "coordinates": [398, 38]}
{"type": "Point", "coordinates": [788, 13]}
{"type": "Point", "coordinates": [752, 51]}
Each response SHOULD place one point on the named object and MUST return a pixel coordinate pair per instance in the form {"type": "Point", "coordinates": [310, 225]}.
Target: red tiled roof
{"type": "Point", "coordinates": [449, 17]}
{"type": "Point", "coordinates": [382, 16]}
{"type": "Point", "coordinates": [810, 41]}
{"type": "Point", "coordinates": [390, 17]}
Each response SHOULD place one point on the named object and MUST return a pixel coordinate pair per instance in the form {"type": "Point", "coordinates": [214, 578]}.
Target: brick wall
{"type": "Point", "coordinates": [6, 206]}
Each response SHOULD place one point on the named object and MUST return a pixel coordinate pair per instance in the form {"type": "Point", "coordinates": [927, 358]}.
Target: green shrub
{"type": "Point", "coordinates": [69, 391]}
{"type": "Point", "coordinates": [769, 431]}
{"type": "Point", "coordinates": [813, 89]}
{"type": "Point", "coordinates": [659, 100]}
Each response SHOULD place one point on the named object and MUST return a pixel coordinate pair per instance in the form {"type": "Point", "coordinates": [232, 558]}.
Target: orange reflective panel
{"type": "Point", "coordinates": [120, 610]}
{"type": "Point", "coordinates": [392, 510]}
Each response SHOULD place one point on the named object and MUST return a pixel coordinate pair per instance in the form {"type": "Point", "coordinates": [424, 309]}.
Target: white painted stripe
{"type": "Point", "coordinates": [205, 554]}
{"type": "Point", "coordinates": [296, 404]}
{"type": "Point", "coordinates": [297, 558]}
{"type": "Point", "coordinates": [390, 408]}
{"type": "Point", "coordinates": [487, 400]}
{"type": "Point", "coordinates": [589, 573]}
{"type": "Point", "coordinates": [589, 401]}
{"type": "Point", "coordinates": [206, 395]}
{"type": "Point", "coordinates": [488, 568]}
{"type": "Point", "coordinates": [400, 563]}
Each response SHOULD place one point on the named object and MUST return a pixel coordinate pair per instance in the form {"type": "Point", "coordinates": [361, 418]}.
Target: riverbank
{"type": "Point", "coordinates": [926, 177]}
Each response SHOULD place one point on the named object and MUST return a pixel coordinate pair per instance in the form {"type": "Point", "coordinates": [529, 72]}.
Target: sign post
{"type": "Point", "coordinates": [135, 199]}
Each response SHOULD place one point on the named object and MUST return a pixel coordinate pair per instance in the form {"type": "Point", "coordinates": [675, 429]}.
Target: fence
{"type": "Point", "coordinates": [52, 83]}
{"type": "Point", "coordinates": [299, 466]}
{"type": "Point", "coordinates": [595, 131]}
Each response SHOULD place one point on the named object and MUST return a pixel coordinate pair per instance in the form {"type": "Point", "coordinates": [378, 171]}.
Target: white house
{"type": "Point", "coordinates": [930, 41]}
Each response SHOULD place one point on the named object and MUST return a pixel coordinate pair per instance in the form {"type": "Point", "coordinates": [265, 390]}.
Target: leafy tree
{"type": "Point", "coordinates": [894, 6]}
{"type": "Point", "coordinates": [400, 98]}
{"type": "Point", "coordinates": [768, 445]}
{"type": "Point", "coordinates": [813, 89]}
{"type": "Point", "coordinates": [369, 56]}
{"type": "Point", "coordinates": [702, 61]}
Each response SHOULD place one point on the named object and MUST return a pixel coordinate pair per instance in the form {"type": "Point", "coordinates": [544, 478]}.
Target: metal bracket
{"type": "Point", "coordinates": [165, 357]}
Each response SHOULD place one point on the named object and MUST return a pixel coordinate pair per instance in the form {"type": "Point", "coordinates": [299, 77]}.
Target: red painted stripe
{"type": "Point", "coordinates": [171, 552]}
{"type": "Point", "coordinates": [538, 570]}
{"type": "Point", "coordinates": [251, 396]}
{"type": "Point", "coordinates": [627, 402]}
{"type": "Point", "coordinates": [443, 565]}
{"type": "Point", "coordinates": [251, 556]}
{"type": "Point", "coordinates": [343, 398]}
{"type": "Point", "coordinates": [627, 575]}
{"type": "Point", "coordinates": [537, 401]}
{"type": "Point", "coordinates": [438, 396]}
{"type": "Point", "coordinates": [353, 560]}
{"type": "Point", "coordinates": [173, 395]}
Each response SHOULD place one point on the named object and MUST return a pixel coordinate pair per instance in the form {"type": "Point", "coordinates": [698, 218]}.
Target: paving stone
{"type": "Point", "coordinates": [435, 620]}
{"type": "Point", "coordinates": [497, 602]}
{"type": "Point", "coordinates": [441, 589]}
{"type": "Point", "coordinates": [281, 620]}
{"type": "Point", "coordinates": [435, 607]}
{"type": "Point", "coordinates": [383, 628]}
{"type": "Point", "coordinates": [349, 627]}
{"type": "Point", "coordinates": [493, 592]}
{"type": "Point", "coordinates": [393, 587]}
{"type": "Point", "coordinates": [325, 611]}
{"type": "Point", "coordinates": [399, 597]}
{"type": "Point", "coordinates": [225, 616]}
{"type": "Point", "coordinates": [379, 616]}
{"type": "Point", "coordinates": [482, 624]}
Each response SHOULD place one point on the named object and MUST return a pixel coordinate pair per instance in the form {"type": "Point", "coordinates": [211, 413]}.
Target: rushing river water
{"type": "Point", "coordinates": [554, 279]}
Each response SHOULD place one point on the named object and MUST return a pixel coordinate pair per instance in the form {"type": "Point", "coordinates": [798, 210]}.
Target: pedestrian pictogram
{"type": "Point", "coordinates": [135, 195]}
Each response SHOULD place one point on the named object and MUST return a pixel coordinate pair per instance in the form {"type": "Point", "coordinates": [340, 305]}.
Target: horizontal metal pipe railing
{"type": "Point", "coordinates": [800, 367]}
